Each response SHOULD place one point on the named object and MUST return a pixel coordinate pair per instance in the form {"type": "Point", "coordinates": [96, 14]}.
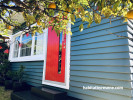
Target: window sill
{"type": "Point", "coordinates": [27, 58]}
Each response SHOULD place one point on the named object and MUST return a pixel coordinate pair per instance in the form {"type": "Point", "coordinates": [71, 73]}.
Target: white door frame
{"type": "Point", "coordinates": [67, 62]}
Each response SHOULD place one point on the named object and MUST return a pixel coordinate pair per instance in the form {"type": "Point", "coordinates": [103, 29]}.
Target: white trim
{"type": "Point", "coordinates": [21, 35]}
{"type": "Point", "coordinates": [130, 49]}
{"type": "Point", "coordinates": [28, 58]}
{"type": "Point", "coordinates": [67, 63]}
{"type": "Point", "coordinates": [25, 58]}
{"type": "Point", "coordinates": [11, 49]}
{"type": "Point", "coordinates": [33, 44]}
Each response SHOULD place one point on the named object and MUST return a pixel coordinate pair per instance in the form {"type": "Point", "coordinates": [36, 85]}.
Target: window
{"type": "Point", "coordinates": [38, 48]}
{"type": "Point", "coordinates": [27, 47]}
{"type": "Point", "coordinates": [16, 46]}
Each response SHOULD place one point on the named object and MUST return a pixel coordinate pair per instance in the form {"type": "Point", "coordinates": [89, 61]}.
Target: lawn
{"type": "Point", "coordinates": [4, 94]}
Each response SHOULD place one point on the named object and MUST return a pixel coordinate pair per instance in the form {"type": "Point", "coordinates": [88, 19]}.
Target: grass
{"type": "Point", "coordinates": [4, 94]}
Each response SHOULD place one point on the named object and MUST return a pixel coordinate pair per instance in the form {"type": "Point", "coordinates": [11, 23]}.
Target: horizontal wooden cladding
{"type": "Point", "coordinates": [99, 94]}
{"type": "Point", "coordinates": [102, 81]}
{"type": "Point", "coordinates": [101, 62]}
{"type": "Point", "coordinates": [115, 76]}
{"type": "Point", "coordinates": [101, 40]}
{"type": "Point", "coordinates": [109, 69]}
{"type": "Point", "coordinates": [78, 21]}
{"type": "Point", "coordinates": [34, 83]}
{"type": "Point", "coordinates": [39, 70]}
{"type": "Point", "coordinates": [130, 24]}
{"type": "Point", "coordinates": [36, 77]}
{"type": "Point", "coordinates": [130, 29]}
{"type": "Point", "coordinates": [112, 31]}
{"type": "Point", "coordinates": [33, 71]}
{"type": "Point", "coordinates": [40, 63]}
{"type": "Point", "coordinates": [83, 96]}
{"type": "Point", "coordinates": [98, 28]}
{"type": "Point", "coordinates": [30, 67]}
{"type": "Point", "coordinates": [104, 56]}
{"type": "Point", "coordinates": [76, 25]}
{"type": "Point", "coordinates": [124, 92]}
{"type": "Point", "coordinates": [130, 32]}
{"type": "Point", "coordinates": [32, 79]}
{"type": "Point", "coordinates": [100, 53]}
{"type": "Point", "coordinates": [98, 34]}
{"type": "Point", "coordinates": [116, 42]}
{"type": "Point", "coordinates": [102, 49]}
{"type": "Point", "coordinates": [100, 58]}
{"type": "Point", "coordinates": [109, 48]}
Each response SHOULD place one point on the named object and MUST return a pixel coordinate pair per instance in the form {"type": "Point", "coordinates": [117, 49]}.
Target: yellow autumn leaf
{"type": "Point", "coordinates": [97, 18]}
{"type": "Point", "coordinates": [70, 32]}
{"type": "Point", "coordinates": [81, 27]}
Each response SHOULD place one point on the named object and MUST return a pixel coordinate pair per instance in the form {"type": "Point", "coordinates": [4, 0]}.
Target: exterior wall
{"type": "Point", "coordinates": [33, 71]}
{"type": "Point", "coordinates": [98, 58]}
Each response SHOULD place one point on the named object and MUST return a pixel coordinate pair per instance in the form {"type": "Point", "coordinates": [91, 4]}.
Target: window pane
{"type": "Point", "coordinates": [60, 52]}
{"type": "Point", "coordinates": [38, 48]}
{"type": "Point", "coordinates": [16, 46]}
{"type": "Point", "coordinates": [15, 54]}
{"type": "Point", "coordinates": [26, 45]}
{"type": "Point", "coordinates": [25, 52]}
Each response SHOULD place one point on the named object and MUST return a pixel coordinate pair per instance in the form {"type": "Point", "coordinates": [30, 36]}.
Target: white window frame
{"type": "Point", "coordinates": [32, 57]}
{"type": "Point", "coordinates": [67, 63]}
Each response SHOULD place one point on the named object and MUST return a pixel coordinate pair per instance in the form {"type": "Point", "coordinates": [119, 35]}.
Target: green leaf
{"type": "Point", "coordinates": [72, 18]}
{"type": "Point", "coordinates": [85, 10]}
{"type": "Point", "coordinates": [88, 25]}
{"type": "Point", "coordinates": [81, 27]}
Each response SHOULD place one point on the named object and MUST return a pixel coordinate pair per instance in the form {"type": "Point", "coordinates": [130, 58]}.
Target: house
{"type": "Point", "coordinates": [94, 58]}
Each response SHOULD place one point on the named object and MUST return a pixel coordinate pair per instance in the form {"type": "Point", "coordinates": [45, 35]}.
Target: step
{"type": "Point", "coordinates": [50, 94]}
{"type": "Point", "coordinates": [25, 95]}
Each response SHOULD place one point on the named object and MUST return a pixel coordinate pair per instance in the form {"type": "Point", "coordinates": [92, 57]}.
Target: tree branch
{"type": "Point", "coordinates": [16, 8]}
{"type": "Point", "coordinates": [20, 3]}
{"type": "Point", "coordinates": [6, 21]}
{"type": "Point", "coordinates": [120, 36]}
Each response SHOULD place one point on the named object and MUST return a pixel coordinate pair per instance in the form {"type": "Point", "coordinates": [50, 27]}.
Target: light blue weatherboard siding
{"type": "Point", "coordinates": [98, 58]}
{"type": "Point", "coordinates": [33, 71]}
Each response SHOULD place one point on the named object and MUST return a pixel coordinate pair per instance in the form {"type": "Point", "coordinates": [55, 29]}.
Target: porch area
{"type": "Point", "coordinates": [41, 93]}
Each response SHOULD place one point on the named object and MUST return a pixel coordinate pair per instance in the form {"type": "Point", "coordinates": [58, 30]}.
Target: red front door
{"type": "Point", "coordinates": [55, 60]}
